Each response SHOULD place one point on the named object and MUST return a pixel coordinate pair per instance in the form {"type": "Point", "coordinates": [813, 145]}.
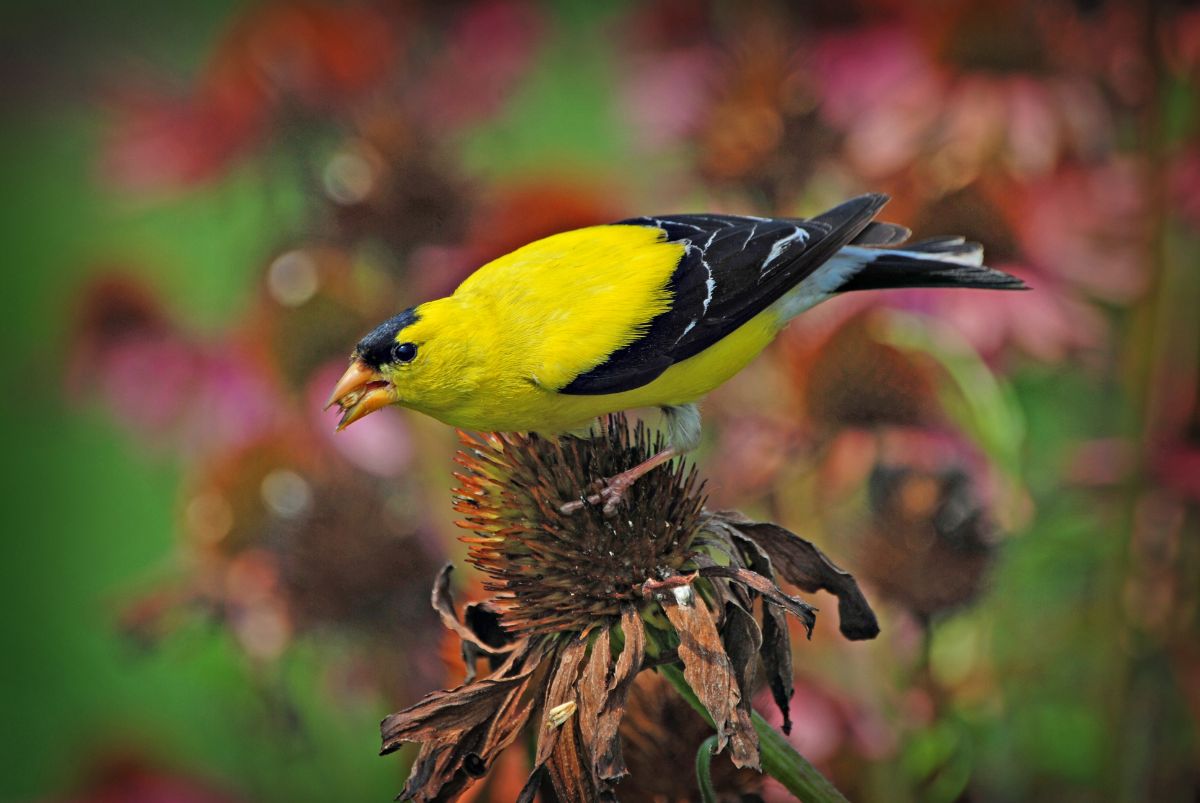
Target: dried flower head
{"type": "Point", "coordinates": [930, 544]}
{"type": "Point", "coordinates": [583, 603]}
{"type": "Point", "coordinates": [553, 571]}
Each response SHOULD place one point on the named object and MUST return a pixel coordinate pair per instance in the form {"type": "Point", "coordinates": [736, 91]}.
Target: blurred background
{"type": "Point", "coordinates": [208, 597]}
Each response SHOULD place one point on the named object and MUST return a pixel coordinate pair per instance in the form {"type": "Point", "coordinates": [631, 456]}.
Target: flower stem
{"type": "Point", "coordinates": [708, 793]}
{"type": "Point", "coordinates": [779, 759]}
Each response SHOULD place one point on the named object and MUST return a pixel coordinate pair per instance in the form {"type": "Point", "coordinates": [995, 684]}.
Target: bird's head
{"type": "Point", "coordinates": [411, 359]}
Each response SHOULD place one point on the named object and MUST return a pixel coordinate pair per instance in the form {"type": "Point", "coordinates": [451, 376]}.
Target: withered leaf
{"type": "Point", "coordinates": [606, 743]}
{"type": "Point", "coordinates": [777, 661]}
{"type": "Point", "coordinates": [706, 667]}
{"type": "Point", "coordinates": [443, 715]}
{"type": "Point", "coordinates": [776, 649]}
{"type": "Point", "coordinates": [805, 566]}
{"type": "Point", "coordinates": [769, 591]}
{"type": "Point", "coordinates": [443, 769]}
{"type": "Point", "coordinates": [474, 643]}
{"type": "Point", "coordinates": [742, 640]}
{"type": "Point", "coordinates": [593, 686]}
{"type": "Point", "coordinates": [561, 689]}
{"type": "Point", "coordinates": [568, 768]}
{"type": "Point", "coordinates": [532, 784]}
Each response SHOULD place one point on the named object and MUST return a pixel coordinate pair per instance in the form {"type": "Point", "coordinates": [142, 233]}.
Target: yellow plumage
{"type": "Point", "coordinates": [525, 325]}
{"type": "Point", "coordinates": [648, 312]}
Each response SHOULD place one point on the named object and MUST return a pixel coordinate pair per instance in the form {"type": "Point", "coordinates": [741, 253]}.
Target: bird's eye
{"type": "Point", "coordinates": [404, 352]}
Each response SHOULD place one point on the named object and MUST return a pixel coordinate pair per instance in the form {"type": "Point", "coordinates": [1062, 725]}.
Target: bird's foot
{"type": "Point", "coordinates": [607, 495]}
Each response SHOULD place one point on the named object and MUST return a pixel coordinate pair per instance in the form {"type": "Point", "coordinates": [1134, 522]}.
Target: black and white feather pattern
{"type": "Point", "coordinates": [734, 267]}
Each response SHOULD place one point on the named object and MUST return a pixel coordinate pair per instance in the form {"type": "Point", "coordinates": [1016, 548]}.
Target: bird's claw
{"type": "Point", "coordinates": [607, 497]}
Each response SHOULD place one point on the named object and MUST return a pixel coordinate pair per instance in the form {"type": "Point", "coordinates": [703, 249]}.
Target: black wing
{"type": "Point", "coordinates": [732, 269]}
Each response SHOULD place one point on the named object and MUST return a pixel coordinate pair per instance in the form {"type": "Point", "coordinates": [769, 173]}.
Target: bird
{"type": "Point", "coordinates": [646, 312]}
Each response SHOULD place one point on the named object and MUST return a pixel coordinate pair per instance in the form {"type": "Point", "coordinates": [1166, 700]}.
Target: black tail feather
{"type": "Point", "coordinates": [948, 264]}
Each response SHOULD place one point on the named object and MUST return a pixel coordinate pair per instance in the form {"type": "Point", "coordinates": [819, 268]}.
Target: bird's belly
{"type": "Point", "coordinates": [527, 407]}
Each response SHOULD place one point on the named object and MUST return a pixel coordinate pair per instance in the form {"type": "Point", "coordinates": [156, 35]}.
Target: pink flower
{"type": "Point", "coordinates": [900, 109]}
{"type": "Point", "coordinates": [877, 85]}
{"type": "Point", "coordinates": [487, 50]}
{"type": "Point", "coordinates": [1089, 226]}
{"type": "Point", "coordinates": [282, 54]}
{"type": "Point", "coordinates": [1046, 323]}
{"type": "Point", "coordinates": [827, 726]}
{"type": "Point", "coordinates": [162, 384]}
{"type": "Point", "coordinates": [664, 94]}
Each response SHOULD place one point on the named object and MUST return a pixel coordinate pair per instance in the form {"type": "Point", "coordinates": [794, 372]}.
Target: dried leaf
{"type": "Point", "coordinates": [606, 743]}
{"type": "Point", "coordinates": [443, 715]}
{"type": "Point", "coordinates": [706, 667]}
{"type": "Point", "coordinates": [463, 730]}
{"type": "Point", "coordinates": [593, 686]}
{"type": "Point", "coordinates": [568, 767]}
{"type": "Point", "coordinates": [777, 661]}
{"type": "Point", "coordinates": [447, 766]}
{"type": "Point", "coordinates": [769, 591]}
{"type": "Point", "coordinates": [742, 640]}
{"type": "Point", "coordinates": [443, 603]}
{"type": "Point", "coordinates": [532, 784]}
{"type": "Point", "coordinates": [776, 648]}
{"type": "Point", "coordinates": [561, 689]}
{"type": "Point", "coordinates": [805, 566]}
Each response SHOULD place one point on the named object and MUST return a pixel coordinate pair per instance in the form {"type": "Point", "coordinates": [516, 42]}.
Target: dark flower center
{"type": "Point", "coordinates": [553, 571]}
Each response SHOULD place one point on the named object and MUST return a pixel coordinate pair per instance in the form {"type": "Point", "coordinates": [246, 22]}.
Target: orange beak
{"type": "Point", "coordinates": [361, 391]}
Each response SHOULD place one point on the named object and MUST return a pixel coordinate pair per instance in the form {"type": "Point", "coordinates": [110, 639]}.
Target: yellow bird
{"type": "Point", "coordinates": [648, 312]}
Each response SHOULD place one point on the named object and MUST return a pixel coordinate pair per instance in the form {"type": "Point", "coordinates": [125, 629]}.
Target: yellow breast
{"type": "Point", "coordinates": [533, 320]}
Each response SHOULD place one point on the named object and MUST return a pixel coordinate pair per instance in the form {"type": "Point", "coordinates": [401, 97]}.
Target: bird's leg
{"type": "Point", "coordinates": [614, 487]}
{"type": "Point", "coordinates": [683, 433]}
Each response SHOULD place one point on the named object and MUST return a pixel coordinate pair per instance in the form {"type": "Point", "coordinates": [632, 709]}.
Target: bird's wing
{"type": "Point", "coordinates": [732, 268]}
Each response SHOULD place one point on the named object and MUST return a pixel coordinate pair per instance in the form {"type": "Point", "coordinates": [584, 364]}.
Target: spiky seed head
{"type": "Point", "coordinates": [554, 572]}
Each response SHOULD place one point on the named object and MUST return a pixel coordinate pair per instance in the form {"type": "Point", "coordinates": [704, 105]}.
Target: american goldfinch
{"type": "Point", "coordinates": [648, 312]}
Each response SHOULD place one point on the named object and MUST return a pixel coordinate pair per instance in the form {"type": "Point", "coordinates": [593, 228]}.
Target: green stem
{"type": "Point", "coordinates": [779, 759]}
{"type": "Point", "coordinates": [708, 792]}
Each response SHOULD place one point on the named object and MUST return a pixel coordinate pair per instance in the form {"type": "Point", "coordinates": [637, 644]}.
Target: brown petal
{"type": "Point", "coordinates": [770, 592]}
{"type": "Point", "coordinates": [559, 746]}
{"type": "Point", "coordinates": [776, 651]}
{"type": "Point", "coordinates": [568, 767]}
{"type": "Point", "coordinates": [561, 689]}
{"type": "Point", "coordinates": [443, 715]}
{"type": "Point", "coordinates": [593, 687]}
{"type": "Point", "coordinates": [804, 565]}
{"type": "Point", "coordinates": [777, 661]}
{"type": "Point", "coordinates": [606, 743]}
{"type": "Point", "coordinates": [474, 643]}
{"type": "Point", "coordinates": [706, 667]}
{"type": "Point", "coordinates": [451, 759]}
{"type": "Point", "coordinates": [742, 640]}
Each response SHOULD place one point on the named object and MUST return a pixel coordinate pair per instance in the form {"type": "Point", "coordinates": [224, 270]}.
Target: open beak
{"type": "Point", "coordinates": [361, 390]}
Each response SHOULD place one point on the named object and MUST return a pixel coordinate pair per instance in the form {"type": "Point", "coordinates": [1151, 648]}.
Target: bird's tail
{"type": "Point", "coordinates": [939, 262]}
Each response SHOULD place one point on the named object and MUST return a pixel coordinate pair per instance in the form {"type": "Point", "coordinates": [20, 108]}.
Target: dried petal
{"type": "Point", "coordinates": [805, 566]}
{"type": "Point", "coordinates": [568, 767]}
{"type": "Point", "coordinates": [606, 743]}
{"type": "Point", "coordinates": [707, 668]}
{"type": "Point", "coordinates": [742, 640]}
{"type": "Point", "coordinates": [776, 651]}
{"type": "Point", "coordinates": [770, 592]}
{"type": "Point", "coordinates": [444, 715]}
{"type": "Point", "coordinates": [462, 731]}
{"type": "Point", "coordinates": [561, 689]}
{"type": "Point", "coordinates": [474, 643]}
